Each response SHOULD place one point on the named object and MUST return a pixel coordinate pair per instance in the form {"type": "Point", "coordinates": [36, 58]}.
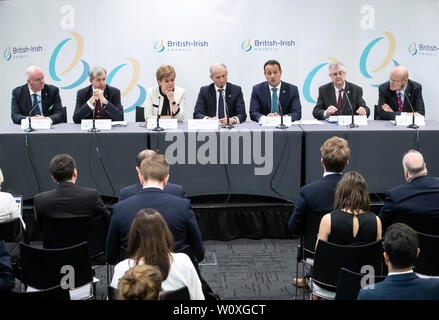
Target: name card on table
{"type": "Point", "coordinates": [101, 124]}
{"type": "Point", "coordinates": [274, 121]}
{"type": "Point", "coordinates": [202, 124]}
{"type": "Point", "coordinates": [36, 123]}
{"type": "Point", "coordinates": [164, 123]}
{"type": "Point", "coordinates": [405, 120]}
{"type": "Point", "coordinates": [347, 120]}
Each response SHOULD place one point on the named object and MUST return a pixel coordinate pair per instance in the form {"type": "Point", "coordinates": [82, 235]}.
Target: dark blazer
{"type": "Point", "coordinates": [7, 279]}
{"type": "Point", "coordinates": [260, 102]}
{"type": "Point", "coordinates": [415, 203]}
{"type": "Point", "coordinates": [113, 110]}
{"type": "Point", "coordinates": [413, 92]}
{"type": "Point", "coordinates": [327, 98]}
{"type": "Point", "coordinates": [206, 102]}
{"type": "Point", "coordinates": [175, 189]}
{"type": "Point", "coordinates": [315, 198]}
{"type": "Point", "coordinates": [68, 200]}
{"type": "Point", "coordinates": [21, 103]}
{"type": "Point", "coordinates": [406, 286]}
{"type": "Point", "coordinates": [176, 211]}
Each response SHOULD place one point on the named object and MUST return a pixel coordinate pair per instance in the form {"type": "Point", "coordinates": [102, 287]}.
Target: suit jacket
{"type": "Point", "coordinates": [260, 102]}
{"type": "Point", "coordinates": [206, 102]}
{"type": "Point", "coordinates": [153, 104]}
{"type": "Point", "coordinates": [315, 198]}
{"type": "Point", "coordinates": [415, 203]}
{"type": "Point", "coordinates": [113, 110]}
{"type": "Point", "coordinates": [413, 92]}
{"type": "Point", "coordinates": [7, 279]}
{"type": "Point", "coordinates": [174, 189]}
{"type": "Point", "coordinates": [327, 98]}
{"type": "Point", "coordinates": [406, 286]}
{"type": "Point", "coordinates": [21, 103]}
{"type": "Point", "coordinates": [176, 211]}
{"type": "Point", "coordinates": [68, 200]}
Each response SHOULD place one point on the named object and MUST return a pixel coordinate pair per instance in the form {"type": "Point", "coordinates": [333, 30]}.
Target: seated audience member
{"type": "Point", "coordinates": [400, 251]}
{"type": "Point", "coordinates": [7, 279]}
{"type": "Point", "coordinates": [126, 192]}
{"type": "Point", "coordinates": [67, 200]}
{"type": "Point", "coordinates": [177, 212]}
{"type": "Point", "coordinates": [271, 97]}
{"type": "Point", "coordinates": [165, 98]}
{"type": "Point", "coordinates": [393, 95]}
{"type": "Point", "coordinates": [142, 282]}
{"type": "Point", "coordinates": [332, 100]}
{"type": "Point", "coordinates": [215, 99]}
{"type": "Point", "coordinates": [99, 98]}
{"type": "Point", "coordinates": [150, 242]}
{"type": "Point", "coordinates": [416, 203]}
{"type": "Point", "coordinates": [8, 207]}
{"type": "Point", "coordinates": [36, 99]}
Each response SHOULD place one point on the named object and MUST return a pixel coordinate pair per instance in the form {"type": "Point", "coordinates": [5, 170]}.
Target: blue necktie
{"type": "Point", "coordinates": [274, 101]}
{"type": "Point", "coordinates": [220, 104]}
{"type": "Point", "coordinates": [36, 105]}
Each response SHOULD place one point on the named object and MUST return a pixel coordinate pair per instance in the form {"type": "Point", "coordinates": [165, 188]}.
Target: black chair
{"type": "Point", "coordinates": [111, 293]}
{"type": "Point", "coordinates": [376, 112]}
{"type": "Point", "coordinates": [12, 231]}
{"type": "Point", "coordinates": [46, 268]}
{"type": "Point", "coordinates": [179, 294]}
{"type": "Point", "coordinates": [51, 294]}
{"type": "Point", "coordinates": [330, 258]}
{"type": "Point", "coordinates": [427, 263]}
{"type": "Point", "coordinates": [349, 284]}
{"type": "Point", "coordinates": [426, 224]}
{"type": "Point", "coordinates": [64, 114]}
{"type": "Point", "coordinates": [140, 114]}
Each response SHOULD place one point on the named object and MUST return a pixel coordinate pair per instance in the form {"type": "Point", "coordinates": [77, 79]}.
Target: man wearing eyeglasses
{"type": "Point", "coordinates": [395, 93]}
{"type": "Point", "coordinates": [332, 100]}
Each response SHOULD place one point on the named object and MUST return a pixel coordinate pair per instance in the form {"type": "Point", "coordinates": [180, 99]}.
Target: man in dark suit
{"type": "Point", "coordinates": [99, 97]}
{"type": "Point", "coordinates": [273, 97]}
{"type": "Point", "coordinates": [220, 98]}
{"type": "Point", "coordinates": [317, 198]}
{"type": "Point", "coordinates": [36, 99]}
{"type": "Point", "coordinates": [177, 212]}
{"type": "Point", "coordinates": [175, 189]}
{"type": "Point", "coordinates": [7, 279]}
{"type": "Point", "coordinates": [394, 95]}
{"type": "Point", "coordinates": [67, 200]}
{"type": "Point", "coordinates": [400, 251]}
{"type": "Point", "coordinates": [415, 203]}
{"type": "Point", "coordinates": [334, 97]}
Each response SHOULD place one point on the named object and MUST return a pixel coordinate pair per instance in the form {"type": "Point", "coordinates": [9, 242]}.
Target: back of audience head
{"type": "Point", "coordinates": [414, 165]}
{"type": "Point", "coordinates": [63, 168]}
{"type": "Point", "coordinates": [143, 155]}
{"type": "Point", "coordinates": [154, 168]}
{"type": "Point", "coordinates": [335, 154]}
{"type": "Point", "coordinates": [351, 193]}
{"type": "Point", "coordinates": [142, 282]}
{"type": "Point", "coordinates": [150, 240]}
{"type": "Point", "coordinates": [401, 246]}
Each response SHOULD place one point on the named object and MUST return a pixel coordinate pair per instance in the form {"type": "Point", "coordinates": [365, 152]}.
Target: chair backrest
{"type": "Point", "coordinates": [427, 224]}
{"type": "Point", "coordinates": [427, 263]}
{"type": "Point", "coordinates": [140, 114]}
{"type": "Point", "coordinates": [179, 294]}
{"type": "Point", "coordinates": [64, 114]}
{"type": "Point", "coordinates": [46, 268]}
{"type": "Point", "coordinates": [330, 258]}
{"type": "Point", "coordinates": [376, 112]}
{"type": "Point", "coordinates": [12, 230]}
{"type": "Point", "coordinates": [349, 284]}
{"type": "Point", "coordinates": [111, 293]}
{"type": "Point", "coordinates": [312, 225]}
{"type": "Point", "coordinates": [55, 293]}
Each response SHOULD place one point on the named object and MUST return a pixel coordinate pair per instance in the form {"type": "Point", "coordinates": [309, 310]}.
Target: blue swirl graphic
{"type": "Point", "coordinates": [307, 84]}
{"type": "Point", "coordinates": [113, 72]}
{"type": "Point", "coordinates": [53, 59]}
{"type": "Point", "coordinates": [364, 56]}
{"type": "Point", "coordinates": [82, 78]}
{"type": "Point", "coordinates": [139, 102]}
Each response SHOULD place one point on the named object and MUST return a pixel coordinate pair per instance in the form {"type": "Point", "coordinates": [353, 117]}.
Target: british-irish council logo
{"type": "Point", "coordinates": [76, 59]}
{"type": "Point", "coordinates": [159, 46]}
{"type": "Point", "coordinates": [246, 45]}
{"type": "Point", "coordinates": [133, 82]}
{"type": "Point", "coordinates": [388, 59]}
{"type": "Point", "coordinates": [309, 79]}
{"type": "Point", "coordinates": [7, 54]}
{"type": "Point", "coordinates": [412, 49]}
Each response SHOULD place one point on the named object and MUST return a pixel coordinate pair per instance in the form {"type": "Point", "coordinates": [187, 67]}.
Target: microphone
{"type": "Point", "coordinates": [157, 127]}
{"type": "Point", "coordinates": [413, 125]}
{"type": "Point", "coordinates": [29, 128]}
{"type": "Point", "coordinates": [281, 126]}
{"type": "Point", "coordinates": [93, 128]}
{"type": "Point", "coordinates": [353, 124]}
{"type": "Point", "coordinates": [228, 125]}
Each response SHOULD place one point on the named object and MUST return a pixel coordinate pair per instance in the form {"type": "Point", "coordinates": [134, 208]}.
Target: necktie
{"type": "Point", "coordinates": [399, 102]}
{"type": "Point", "coordinates": [274, 101]}
{"type": "Point", "coordinates": [35, 105]}
{"type": "Point", "coordinates": [340, 100]}
{"type": "Point", "coordinates": [98, 111]}
{"type": "Point", "coordinates": [220, 104]}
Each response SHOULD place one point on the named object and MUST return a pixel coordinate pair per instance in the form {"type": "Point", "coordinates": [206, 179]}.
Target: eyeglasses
{"type": "Point", "coordinates": [334, 74]}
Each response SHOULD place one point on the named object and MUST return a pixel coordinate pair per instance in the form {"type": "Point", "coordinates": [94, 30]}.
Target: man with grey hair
{"type": "Point", "coordinates": [220, 99]}
{"type": "Point", "coordinates": [415, 203]}
{"type": "Point", "coordinates": [36, 99]}
{"type": "Point", "coordinates": [99, 98]}
{"type": "Point", "coordinates": [332, 100]}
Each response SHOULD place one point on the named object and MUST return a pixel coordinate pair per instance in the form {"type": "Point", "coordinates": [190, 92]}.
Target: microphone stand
{"type": "Point", "coordinates": [228, 125]}
{"type": "Point", "coordinates": [281, 126]}
{"type": "Point", "coordinates": [29, 127]}
{"type": "Point", "coordinates": [94, 129]}
{"type": "Point", "coordinates": [353, 124]}
{"type": "Point", "coordinates": [413, 125]}
{"type": "Point", "coordinates": [157, 127]}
